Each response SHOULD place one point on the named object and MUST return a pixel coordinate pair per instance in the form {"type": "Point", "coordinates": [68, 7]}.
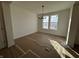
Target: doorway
{"type": "Point", "coordinates": [3, 37]}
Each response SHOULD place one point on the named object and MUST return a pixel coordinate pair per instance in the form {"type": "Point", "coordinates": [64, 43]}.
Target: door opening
{"type": "Point", "coordinates": [3, 37]}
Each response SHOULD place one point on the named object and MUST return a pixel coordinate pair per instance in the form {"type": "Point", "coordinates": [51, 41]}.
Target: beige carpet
{"type": "Point", "coordinates": [27, 43]}
{"type": "Point", "coordinates": [40, 44]}
{"type": "Point", "coordinates": [30, 54]}
{"type": "Point", "coordinates": [11, 52]}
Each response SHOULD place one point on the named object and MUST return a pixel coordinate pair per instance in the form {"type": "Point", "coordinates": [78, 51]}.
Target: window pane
{"type": "Point", "coordinates": [45, 22]}
{"type": "Point", "coordinates": [45, 25]}
{"type": "Point", "coordinates": [45, 18]}
{"type": "Point", "coordinates": [53, 22]}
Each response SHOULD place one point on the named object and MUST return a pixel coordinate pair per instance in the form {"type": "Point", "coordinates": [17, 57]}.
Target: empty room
{"type": "Point", "coordinates": [39, 29]}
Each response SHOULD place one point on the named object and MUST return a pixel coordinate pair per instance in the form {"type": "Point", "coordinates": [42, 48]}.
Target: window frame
{"type": "Point", "coordinates": [50, 22]}
{"type": "Point", "coordinates": [49, 18]}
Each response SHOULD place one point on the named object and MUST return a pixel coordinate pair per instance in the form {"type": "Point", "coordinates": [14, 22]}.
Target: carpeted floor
{"type": "Point", "coordinates": [38, 45]}
{"type": "Point", "coordinates": [30, 54]}
{"type": "Point", "coordinates": [41, 45]}
{"type": "Point", "coordinates": [11, 52]}
{"type": "Point", "coordinates": [76, 48]}
{"type": "Point", "coordinates": [27, 44]}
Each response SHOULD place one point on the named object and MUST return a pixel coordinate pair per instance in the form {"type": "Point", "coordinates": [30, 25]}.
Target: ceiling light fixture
{"type": "Point", "coordinates": [42, 14]}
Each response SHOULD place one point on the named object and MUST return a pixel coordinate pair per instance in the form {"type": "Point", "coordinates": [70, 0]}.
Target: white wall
{"type": "Point", "coordinates": [24, 22]}
{"type": "Point", "coordinates": [63, 20]}
{"type": "Point", "coordinates": [8, 23]}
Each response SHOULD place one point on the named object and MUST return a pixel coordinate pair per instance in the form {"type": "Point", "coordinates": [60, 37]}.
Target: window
{"type": "Point", "coordinates": [50, 23]}
{"type": "Point", "coordinates": [45, 22]}
{"type": "Point", "coordinates": [53, 22]}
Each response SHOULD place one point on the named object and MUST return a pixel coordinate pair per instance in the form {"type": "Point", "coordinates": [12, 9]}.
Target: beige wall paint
{"type": "Point", "coordinates": [24, 22]}
{"type": "Point", "coordinates": [8, 24]}
{"type": "Point", "coordinates": [63, 19]}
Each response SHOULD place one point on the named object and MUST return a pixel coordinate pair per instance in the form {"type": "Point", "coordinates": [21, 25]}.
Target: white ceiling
{"type": "Point", "coordinates": [50, 6]}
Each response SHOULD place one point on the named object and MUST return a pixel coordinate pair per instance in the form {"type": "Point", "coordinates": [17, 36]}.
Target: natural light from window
{"type": "Point", "coordinates": [53, 22]}
{"type": "Point", "coordinates": [50, 22]}
{"type": "Point", "coordinates": [45, 22]}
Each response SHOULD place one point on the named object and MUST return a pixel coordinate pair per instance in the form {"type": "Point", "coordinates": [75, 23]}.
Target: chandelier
{"type": "Point", "coordinates": [42, 14]}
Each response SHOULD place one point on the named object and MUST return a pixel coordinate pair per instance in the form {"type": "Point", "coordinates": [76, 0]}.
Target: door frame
{"type": "Point", "coordinates": [3, 28]}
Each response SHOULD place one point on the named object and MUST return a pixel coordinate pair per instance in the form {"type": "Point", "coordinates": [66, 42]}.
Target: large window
{"type": "Point", "coordinates": [50, 23]}
{"type": "Point", "coordinates": [45, 22]}
{"type": "Point", "coordinates": [53, 22]}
